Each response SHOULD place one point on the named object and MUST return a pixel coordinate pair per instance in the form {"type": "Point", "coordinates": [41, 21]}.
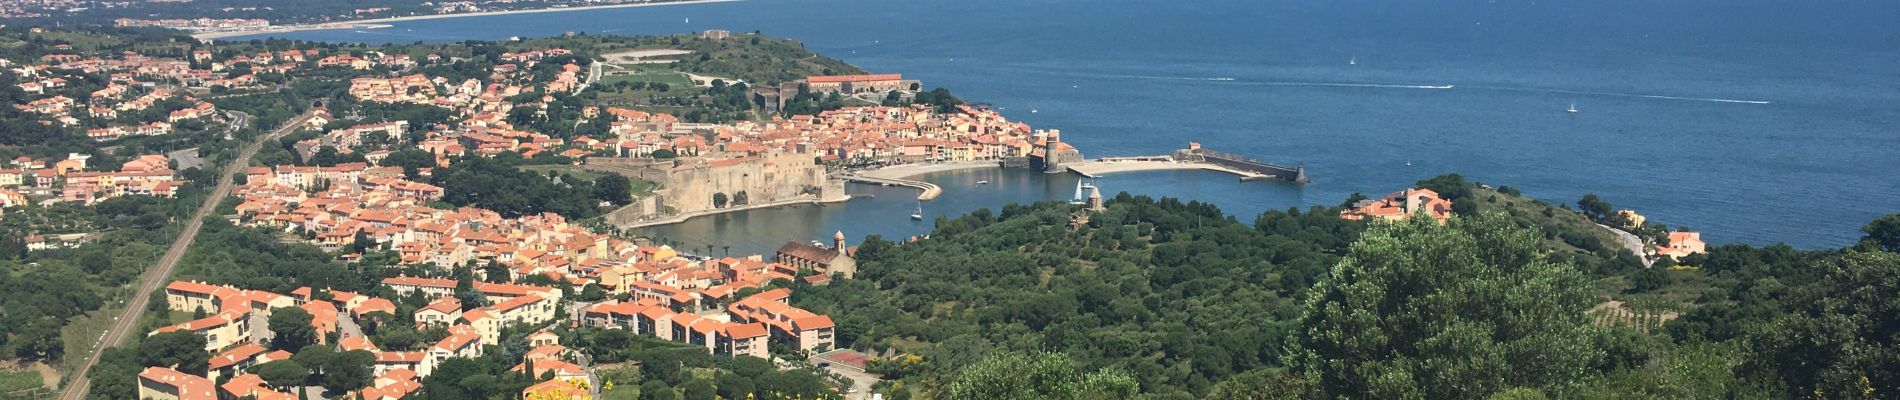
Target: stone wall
{"type": "Point", "coordinates": [691, 185]}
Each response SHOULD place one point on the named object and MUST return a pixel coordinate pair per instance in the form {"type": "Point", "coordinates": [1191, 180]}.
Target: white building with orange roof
{"type": "Point", "coordinates": [1682, 244]}
{"type": "Point", "coordinates": [221, 330]}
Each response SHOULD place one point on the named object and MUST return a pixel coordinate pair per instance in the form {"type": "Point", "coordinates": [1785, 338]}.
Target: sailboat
{"type": "Point", "coordinates": [1078, 193]}
{"type": "Point", "coordinates": [919, 214]}
{"type": "Point", "coordinates": [689, 20]}
{"type": "Point", "coordinates": [1573, 108]}
{"type": "Point", "coordinates": [1353, 61]}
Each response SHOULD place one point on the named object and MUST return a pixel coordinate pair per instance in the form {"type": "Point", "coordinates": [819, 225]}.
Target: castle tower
{"type": "Point", "coordinates": [838, 240]}
{"type": "Point", "coordinates": [1052, 153]}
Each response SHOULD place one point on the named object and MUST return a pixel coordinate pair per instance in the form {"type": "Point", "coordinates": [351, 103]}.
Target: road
{"type": "Point", "coordinates": [1631, 242]}
{"type": "Point", "coordinates": [593, 76]}
{"type": "Point", "coordinates": [135, 307]}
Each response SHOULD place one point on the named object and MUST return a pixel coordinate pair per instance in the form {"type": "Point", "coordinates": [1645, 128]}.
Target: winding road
{"type": "Point", "coordinates": [1630, 242]}
{"type": "Point", "coordinates": [135, 307]}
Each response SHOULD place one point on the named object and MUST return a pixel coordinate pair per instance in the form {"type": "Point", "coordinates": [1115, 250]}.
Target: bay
{"type": "Point", "coordinates": [1752, 121]}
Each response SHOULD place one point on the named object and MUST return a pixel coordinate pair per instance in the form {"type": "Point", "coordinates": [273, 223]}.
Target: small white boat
{"type": "Point", "coordinates": [919, 214]}
{"type": "Point", "coordinates": [1353, 61]}
{"type": "Point", "coordinates": [982, 182]}
{"type": "Point", "coordinates": [1573, 108]}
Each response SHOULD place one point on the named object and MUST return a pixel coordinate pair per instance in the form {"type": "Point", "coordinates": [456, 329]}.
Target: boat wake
{"type": "Point", "coordinates": [1276, 83]}
{"type": "Point", "coordinates": [1631, 95]}
{"type": "Point", "coordinates": [1357, 85]}
{"type": "Point", "coordinates": [1651, 96]}
{"type": "Point", "coordinates": [1164, 78]}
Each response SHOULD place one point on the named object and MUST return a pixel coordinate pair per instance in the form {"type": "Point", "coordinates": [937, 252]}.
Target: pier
{"type": "Point", "coordinates": [1193, 157]}
{"type": "Point", "coordinates": [930, 190]}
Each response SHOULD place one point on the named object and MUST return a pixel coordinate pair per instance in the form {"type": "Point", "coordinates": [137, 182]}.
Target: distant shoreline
{"type": "Point", "coordinates": [378, 23]}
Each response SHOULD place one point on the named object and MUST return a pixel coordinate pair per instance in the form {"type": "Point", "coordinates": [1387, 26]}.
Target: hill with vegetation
{"type": "Point", "coordinates": [1181, 301]}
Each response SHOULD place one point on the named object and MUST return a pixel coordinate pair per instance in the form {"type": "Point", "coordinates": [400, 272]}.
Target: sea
{"type": "Point", "coordinates": [1752, 121]}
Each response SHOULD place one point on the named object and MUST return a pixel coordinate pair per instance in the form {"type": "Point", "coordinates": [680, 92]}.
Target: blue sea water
{"type": "Point", "coordinates": [1753, 121]}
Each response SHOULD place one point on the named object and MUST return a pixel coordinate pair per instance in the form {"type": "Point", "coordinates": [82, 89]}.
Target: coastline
{"type": "Point", "coordinates": [378, 23]}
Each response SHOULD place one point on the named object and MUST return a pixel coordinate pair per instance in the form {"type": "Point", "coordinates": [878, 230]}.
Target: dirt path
{"type": "Point", "coordinates": [135, 307]}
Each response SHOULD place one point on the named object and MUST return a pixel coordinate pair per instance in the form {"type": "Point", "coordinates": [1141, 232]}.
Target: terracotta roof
{"type": "Point", "coordinates": [815, 322]}
{"type": "Point", "coordinates": [236, 355]}
{"type": "Point", "coordinates": [188, 386]}
{"type": "Point", "coordinates": [745, 331]}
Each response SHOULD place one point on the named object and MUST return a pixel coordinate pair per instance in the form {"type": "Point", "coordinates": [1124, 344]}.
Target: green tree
{"type": "Point", "coordinates": [281, 374]}
{"type": "Point", "coordinates": [700, 389]}
{"type": "Point", "coordinates": [1010, 375]}
{"type": "Point", "coordinates": [1884, 233]}
{"type": "Point", "coordinates": [656, 390]}
{"type": "Point", "coordinates": [346, 371]}
{"type": "Point", "coordinates": [1421, 310]}
{"type": "Point", "coordinates": [1840, 342]}
{"type": "Point", "coordinates": [1259, 384]}
{"type": "Point", "coordinates": [719, 200]}
{"type": "Point", "coordinates": [181, 350]}
{"type": "Point", "coordinates": [615, 189]}
{"type": "Point", "coordinates": [1594, 207]}
{"type": "Point", "coordinates": [291, 330]}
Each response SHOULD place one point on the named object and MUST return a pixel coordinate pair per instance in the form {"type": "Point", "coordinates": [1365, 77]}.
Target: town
{"type": "Point", "coordinates": [463, 214]}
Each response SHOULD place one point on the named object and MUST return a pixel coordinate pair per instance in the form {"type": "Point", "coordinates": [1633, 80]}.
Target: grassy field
{"type": "Point", "coordinates": [626, 383]}
{"type": "Point", "coordinates": [82, 333]}
{"type": "Point", "coordinates": [650, 73]}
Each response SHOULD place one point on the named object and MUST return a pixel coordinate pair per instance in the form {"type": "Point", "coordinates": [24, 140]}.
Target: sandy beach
{"type": "Point", "coordinates": [378, 23]}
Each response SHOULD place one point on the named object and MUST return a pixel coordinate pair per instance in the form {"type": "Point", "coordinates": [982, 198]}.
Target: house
{"type": "Point", "coordinates": [745, 340]}
{"type": "Point", "coordinates": [403, 285]}
{"type": "Point", "coordinates": [252, 386]}
{"type": "Point", "coordinates": [441, 312]}
{"type": "Point", "coordinates": [462, 341]}
{"type": "Point", "coordinates": [237, 359]}
{"type": "Point", "coordinates": [220, 331]}
{"type": "Point", "coordinates": [161, 383]}
{"type": "Point", "coordinates": [1399, 206]}
{"type": "Point", "coordinates": [1682, 244]}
